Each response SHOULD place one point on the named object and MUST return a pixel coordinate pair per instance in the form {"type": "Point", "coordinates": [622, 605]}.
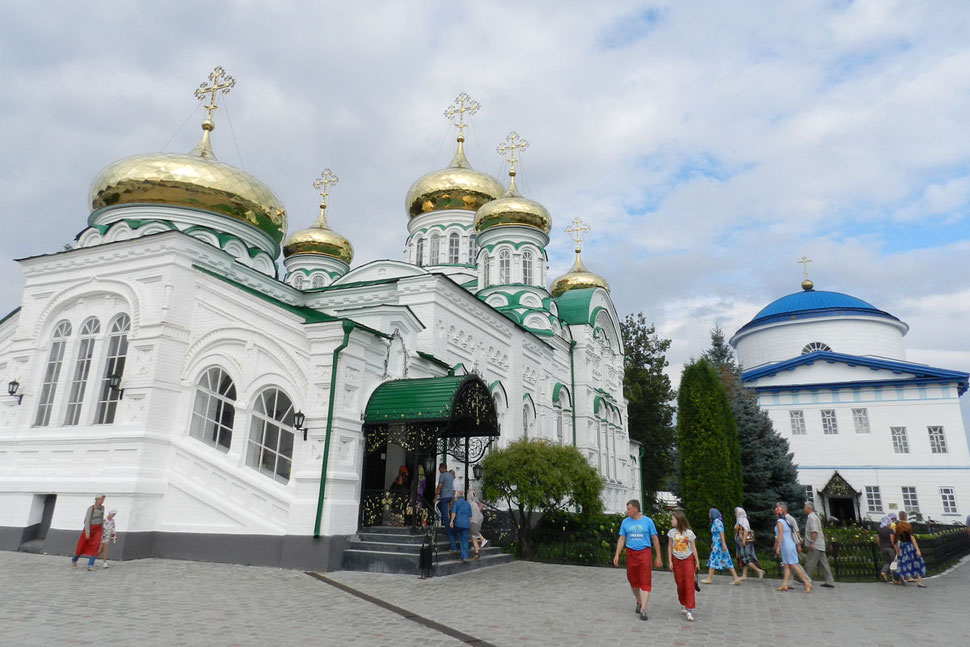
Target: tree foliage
{"type": "Point", "coordinates": [649, 401]}
{"type": "Point", "coordinates": [534, 477]}
{"type": "Point", "coordinates": [707, 440]}
{"type": "Point", "coordinates": [768, 472]}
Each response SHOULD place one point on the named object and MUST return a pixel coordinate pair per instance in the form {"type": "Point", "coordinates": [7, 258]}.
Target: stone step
{"type": "Point", "coordinates": [394, 537]}
{"type": "Point", "coordinates": [395, 561]}
{"type": "Point", "coordinates": [393, 530]}
{"type": "Point", "coordinates": [392, 547]}
{"type": "Point", "coordinates": [37, 546]}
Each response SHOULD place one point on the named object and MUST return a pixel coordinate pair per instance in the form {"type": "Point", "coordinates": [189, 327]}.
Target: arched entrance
{"type": "Point", "coordinates": [408, 425]}
{"type": "Point", "coordinates": [840, 499]}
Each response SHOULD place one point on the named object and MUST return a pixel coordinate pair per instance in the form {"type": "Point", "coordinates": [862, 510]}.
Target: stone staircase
{"type": "Point", "coordinates": [392, 549]}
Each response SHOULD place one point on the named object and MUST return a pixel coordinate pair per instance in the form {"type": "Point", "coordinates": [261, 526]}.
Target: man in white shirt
{"type": "Point", "coordinates": [459, 485]}
{"type": "Point", "coordinates": [815, 546]}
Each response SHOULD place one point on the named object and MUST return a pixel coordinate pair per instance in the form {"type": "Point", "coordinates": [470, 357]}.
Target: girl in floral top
{"type": "Point", "coordinates": [683, 560]}
{"type": "Point", "coordinates": [108, 535]}
{"type": "Point", "coordinates": [720, 558]}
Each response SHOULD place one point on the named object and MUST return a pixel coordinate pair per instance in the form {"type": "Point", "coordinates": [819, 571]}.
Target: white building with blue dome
{"type": "Point", "coordinates": [871, 432]}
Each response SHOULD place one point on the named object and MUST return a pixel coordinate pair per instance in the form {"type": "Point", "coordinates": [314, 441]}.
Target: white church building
{"type": "Point", "coordinates": [871, 432]}
{"type": "Point", "coordinates": [235, 410]}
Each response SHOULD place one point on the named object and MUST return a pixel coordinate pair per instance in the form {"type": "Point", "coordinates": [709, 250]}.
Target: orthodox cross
{"type": "Point", "coordinates": [456, 112]}
{"type": "Point", "coordinates": [576, 229]}
{"type": "Point", "coordinates": [510, 148]}
{"type": "Point", "coordinates": [805, 261]}
{"type": "Point", "coordinates": [218, 81]}
{"type": "Point", "coordinates": [326, 180]}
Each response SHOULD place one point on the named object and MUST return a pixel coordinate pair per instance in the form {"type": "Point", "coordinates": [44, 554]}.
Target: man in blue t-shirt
{"type": "Point", "coordinates": [639, 534]}
{"type": "Point", "coordinates": [446, 487]}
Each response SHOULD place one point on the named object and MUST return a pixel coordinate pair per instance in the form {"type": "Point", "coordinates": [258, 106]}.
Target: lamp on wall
{"type": "Point", "coordinates": [477, 471]}
{"type": "Point", "coordinates": [114, 383]}
{"type": "Point", "coordinates": [12, 389]}
{"type": "Point", "coordinates": [298, 419]}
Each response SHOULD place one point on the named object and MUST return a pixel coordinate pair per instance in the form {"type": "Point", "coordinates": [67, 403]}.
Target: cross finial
{"type": "Point", "coordinates": [326, 180]}
{"type": "Point", "coordinates": [805, 261]}
{"type": "Point", "coordinates": [510, 149]}
{"type": "Point", "coordinates": [456, 112]}
{"type": "Point", "coordinates": [218, 81]}
{"type": "Point", "coordinates": [576, 229]}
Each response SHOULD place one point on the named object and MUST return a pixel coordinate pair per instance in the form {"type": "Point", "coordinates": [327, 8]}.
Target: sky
{"type": "Point", "coordinates": [708, 145]}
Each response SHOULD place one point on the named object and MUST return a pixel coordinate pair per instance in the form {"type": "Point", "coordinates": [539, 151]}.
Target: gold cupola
{"type": "Point", "coordinates": [458, 186]}
{"type": "Point", "coordinates": [195, 179]}
{"type": "Point", "coordinates": [578, 277]}
{"type": "Point", "coordinates": [319, 238]}
{"type": "Point", "coordinates": [512, 209]}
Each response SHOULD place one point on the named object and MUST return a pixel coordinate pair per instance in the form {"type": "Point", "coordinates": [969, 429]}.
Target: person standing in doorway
{"type": "Point", "coordinates": [638, 534]}
{"type": "Point", "coordinates": [683, 560]}
{"type": "Point", "coordinates": [815, 546]}
{"type": "Point", "coordinates": [444, 492]}
{"type": "Point", "coordinates": [787, 549]}
{"type": "Point", "coordinates": [89, 543]}
{"type": "Point", "coordinates": [720, 557]}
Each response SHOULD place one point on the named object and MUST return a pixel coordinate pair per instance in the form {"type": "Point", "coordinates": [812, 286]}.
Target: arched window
{"type": "Point", "coordinates": [504, 267]}
{"type": "Point", "coordinates": [499, 405]}
{"type": "Point", "coordinates": [82, 367]}
{"type": "Point", "coordinates": [814, 346]}
{"type": "Point", "coordinates": [419, 252]}
{"type": "Point", "coordinates": [454, 248]}
{"type": "Point", "coordinates": [114, 364]}
{"type": "Point", "coordinates": [318, 280]}
{"type": "Point", "coordinates": [527, 267]}
{"type": "Point", "coordinates": [435, 250]}
{"type": "Point", "coordinates": [485, 268]}
{"type": "Point", "coordinates": [559, 424]}
{"type": "Point", "coordinates": [270, 435]}
{"type": "Point", "coordinates": [52, 373]}
{"type": "Point", "coordinates": [472, 249]}
{"type": "Point", "coordinates": [298, 281]}
{"type": "Point", "coordinates": [214, 410]}
{"type": "Point", "coordinates": [525, 420]}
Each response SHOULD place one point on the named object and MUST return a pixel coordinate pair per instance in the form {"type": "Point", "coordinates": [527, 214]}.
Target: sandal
{"type": "Point", "coordinates": [782, 588]}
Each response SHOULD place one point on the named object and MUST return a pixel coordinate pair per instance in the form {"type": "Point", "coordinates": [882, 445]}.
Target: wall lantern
{"type": "Point", "coordinates": [477, 471]}
{"type": "Point", "coordinates": [12, 389]}
{"type": "Point", "coordinates": [298, 419]}
{"type": "Point", "coordinates": [114, 383]}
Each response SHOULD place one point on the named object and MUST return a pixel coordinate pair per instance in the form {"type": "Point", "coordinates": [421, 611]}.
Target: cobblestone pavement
{"type": "Point", "coordinates": [165, 602]}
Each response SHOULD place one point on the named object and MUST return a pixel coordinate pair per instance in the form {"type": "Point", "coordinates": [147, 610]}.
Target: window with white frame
{"type": "Point", "coordinates": [318, 280]}
{"type": "Point", "coordinates": [797, 422]}
{"type": "Point", "coordinates": [454, 248]}
{"type": "Point", "coordinates": [900, 440]}
{"type": "Point", "coordinates": [873, 498]}
{"type": "Point", "coordinates": [472, 249]}
{"type": "Point", "coordinates": [829, 425]}
{"type": "Point", "coordinates": [527, 267]}
{"type": "Point", "coordinates": [809, 494]}
{"type": "Point", "coordinates": [419, 252]}
{"type": "Point", "coordinates": [860, 419]}
{"type": "Point", "coordinates": [814, 346]}
{"type": "Point", "coordinates": [270, 435]}
{"type": "Point", "coordinates": [82, 368]}
{"type": "Point", "coordinates": [52, 373]}
{"type": "Point", "coordinates": [559, 423]}
{"type": "Point", "coordinates": [525, 420]}
{"type": "Point", "coordinates": [435, 249]}
{"type": "Point", "coordinates": [937, 440]}
{"type": "Point", "coordinates": [948, 494]}
{"type": "Point", "coordinates": [485, 267]}
{"type": "Point", "coordinates": [214, 410]}
{"type": "Point", "coordinates": [114, 365]}
{"type": "Point", "coordinates": [298, 281]}
{"type": "Point", "coordinates": [910, 502]}
{"type": "Point", "coordinates": [504, 267]}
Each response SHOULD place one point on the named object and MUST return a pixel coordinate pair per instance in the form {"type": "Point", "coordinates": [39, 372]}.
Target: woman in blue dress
{"type": "Point", "coordinates": [909, 558]}
{"type": "Point", "coordinates": [720, 557]}
{"type": "Point", "coordinates": [787, 549]}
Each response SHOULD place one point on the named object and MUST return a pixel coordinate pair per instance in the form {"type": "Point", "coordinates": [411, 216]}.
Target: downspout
{"type": "Point", "coordinates": [643, 492]}
{"type": "Point", "coordinates": [348, 326]}
{"type": "Point", "coordinates": [572, 385]}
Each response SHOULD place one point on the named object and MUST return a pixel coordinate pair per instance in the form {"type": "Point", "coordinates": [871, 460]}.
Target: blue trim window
{"type": "Point", "coordinates": [797, 422]}
{"type": "Point", "coordinates": [937, 440]}
{"type": "Point", "coordinates": [809, 494]}
{"type": "Point", "coordinates": [830, 426]}
{"type": "Point", "coordinates": [873, 498]}
{"type": "Point", "coordinates": [900, 440]}
{"type": "Point", "coordinates": [860, 418]}
{"type": "Point", "coordinates": [910, 502]}
{"type": "Point", "coordinates": [949, 497]}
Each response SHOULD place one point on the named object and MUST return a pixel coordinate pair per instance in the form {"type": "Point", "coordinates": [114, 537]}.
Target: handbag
{"type": "Point", "coordinates": [749, 536]}
{"type": "Point", "coordinates": [697, 586]}
{"type": "Point", "coordinates": [895, 565]}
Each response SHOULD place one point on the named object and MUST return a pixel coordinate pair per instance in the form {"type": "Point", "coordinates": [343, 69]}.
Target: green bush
{"type": "Point", "coordinates": [568, 538]}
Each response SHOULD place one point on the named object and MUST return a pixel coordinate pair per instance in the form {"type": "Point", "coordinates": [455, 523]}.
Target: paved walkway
{"type": "Point", "coordinates": [162, 602]}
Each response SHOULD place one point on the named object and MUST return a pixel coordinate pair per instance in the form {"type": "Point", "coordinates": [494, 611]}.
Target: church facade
{"type": "Point", "coordinates": [871, 432]}
{"type": "Point", "coordinates": [227, 407]}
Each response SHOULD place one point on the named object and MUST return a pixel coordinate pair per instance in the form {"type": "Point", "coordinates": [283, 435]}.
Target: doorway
{"type": "Point", "coordinates": [843, 509]}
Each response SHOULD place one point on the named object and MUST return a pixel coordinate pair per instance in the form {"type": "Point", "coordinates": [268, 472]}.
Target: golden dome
{"type": "Point", "coordinates": [458, 186]}
{"type": "Point", "coordinates": [807, 285]}
{"type": "Point", "coordinates": [195, 179]}
{"type": "Point", "coordinates": [319, 239]}
{"type": "Point", "coordinates": [577, 278]}
{"type": "Point", "coordinates": [513, 209]}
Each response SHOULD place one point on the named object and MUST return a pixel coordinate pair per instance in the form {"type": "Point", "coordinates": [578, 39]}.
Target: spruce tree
{"type": "Point", "coordinates": [768, 473]}
{"type": "Point", "coordinates": [710, 470]}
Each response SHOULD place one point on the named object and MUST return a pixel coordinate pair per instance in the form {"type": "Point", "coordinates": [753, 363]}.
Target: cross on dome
{"type": "Point", "coordinates": [510, 149]}
{"type": "Point", "coordinates": [456, 112]}
{"type": "Point", "coordinates": [576, 229]}
{"type": "Point", "coordinates": [219, 82]}
{"type": "Point", "coordinates": [806, 284]}
{"type": "Point", "coordinates": [323, 183]}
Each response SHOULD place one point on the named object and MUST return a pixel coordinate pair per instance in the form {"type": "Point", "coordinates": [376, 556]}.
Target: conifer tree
{"type": "Point", "coordinates": [707, 441]}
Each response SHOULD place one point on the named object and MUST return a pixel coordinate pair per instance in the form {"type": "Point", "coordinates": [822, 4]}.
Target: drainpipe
{"type": "Point", "coordinates": [572, 385]}
{"type": "Point", "coordinates": [643, 492]}
{"type": "Point", "coordinates": [348, 326]}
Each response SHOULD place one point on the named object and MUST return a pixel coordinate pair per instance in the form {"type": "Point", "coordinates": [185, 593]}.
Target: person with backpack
{"type": "Point", "coordinates": [787, 548]}
{"type": "Point", "coordinates": [744, 542]}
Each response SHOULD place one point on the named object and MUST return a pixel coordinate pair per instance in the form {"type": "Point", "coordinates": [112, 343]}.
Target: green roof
{"type": "Point", "coordinates": [10, 314]}
{"type": "Point", "coordinates": [574, 306]}
{"type": "Point", "coordinates": [426, 398]}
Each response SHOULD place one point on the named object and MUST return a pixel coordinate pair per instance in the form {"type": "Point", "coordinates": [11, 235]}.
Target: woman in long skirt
{"type": "Point", "coordinates": [909, 559]}
{"type": "Point", "coordinates": [720, 557]}
{"type": "Point", "coordinates": [89, 543]}
{"type": "Point", "coordinates": [683, 560]}
{"type": "Point", "coordinates": [787, 550]}
{"type": "Point", "coordinates": [744, 541]}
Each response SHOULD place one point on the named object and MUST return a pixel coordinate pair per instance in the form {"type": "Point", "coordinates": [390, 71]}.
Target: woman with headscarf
{"type": "Point", "coordinates": [787, 549]}
{"type": "Point", "coordinates": [720, 557]}
{"type": "Point", "coordinates": [744, 541]}
{"type": "Point", "coordinates": [89, 543]}
{"type": "Point", "coordinates": [475, 527]}
{"type": "Point", "coordinates": [886, 539]}
{"type": "Point", "coordinates": [908, 556]}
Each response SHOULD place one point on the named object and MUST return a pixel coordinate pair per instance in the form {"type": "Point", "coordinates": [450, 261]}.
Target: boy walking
{"type": "Point", "coordinates": [639, 535]}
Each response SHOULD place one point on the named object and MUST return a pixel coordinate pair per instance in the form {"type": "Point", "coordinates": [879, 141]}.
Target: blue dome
{"type": "Point", "coordinates": [814, 303]}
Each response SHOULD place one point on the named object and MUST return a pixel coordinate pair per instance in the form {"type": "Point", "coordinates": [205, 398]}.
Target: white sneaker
{"type": "Point", "coordinates": [106, 564]}
{"type": "Point", "coordinates": [690, 617]}
{"type": "Point", "coordinates": [684, 610]}
{"type": "Point", "coordinates": [484, 543]}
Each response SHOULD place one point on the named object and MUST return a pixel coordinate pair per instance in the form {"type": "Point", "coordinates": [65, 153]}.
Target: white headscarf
{"type": "Point", "coordinates": [476, 511]}
{"type": "Point", "coordinates": [742, 519]}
